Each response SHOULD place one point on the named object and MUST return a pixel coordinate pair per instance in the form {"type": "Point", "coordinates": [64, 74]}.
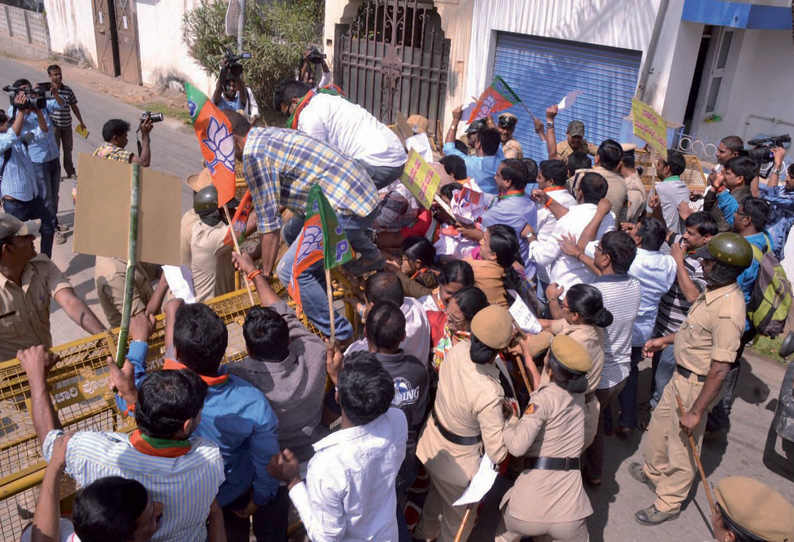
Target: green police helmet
{"type": "Point", "coordinates": [732, 249]}
{"type": "Point", "coordinates": [205, 199]}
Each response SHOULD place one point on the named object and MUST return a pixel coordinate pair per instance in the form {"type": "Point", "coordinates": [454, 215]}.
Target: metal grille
{"type": "Point", "coordinates": [693, 174]}
{"type": "Point", "coordinates": [80, 393]}
{"type": "Point", "coordinates": [394, 58]}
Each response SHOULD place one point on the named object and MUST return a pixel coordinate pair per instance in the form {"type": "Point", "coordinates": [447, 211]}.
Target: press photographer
{"type": "Point", "coordinates": [227, 93]}
{"type": "Point", "coordinates": [115, 132]}
{"type": "Point", "coordinates": [306, 73]}
{"type": "Point", "coordinates": [17, 175]}
{"type": "Point", "coordinates": [762, 151]}
{"type": "Point", "coordinates": [42, 149]}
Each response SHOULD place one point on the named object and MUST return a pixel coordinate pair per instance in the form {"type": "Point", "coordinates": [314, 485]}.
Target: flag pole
{"type": "Point", "coordinates": [132, 257]}
{"type": "Point", "coordinates": [237, 249]}
{"type": "Point", "coordinates": [329, 291]}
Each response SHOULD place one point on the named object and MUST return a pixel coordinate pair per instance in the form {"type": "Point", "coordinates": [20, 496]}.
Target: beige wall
{"type": "Point", "coordinates": [71, 24]}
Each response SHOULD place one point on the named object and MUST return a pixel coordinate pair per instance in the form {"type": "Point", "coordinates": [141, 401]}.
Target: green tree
{"type": "Point", "coordinates": [276, 34]}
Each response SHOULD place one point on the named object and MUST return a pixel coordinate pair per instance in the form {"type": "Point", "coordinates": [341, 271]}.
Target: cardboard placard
{"type": "Point", "coordinates": [102, 212]}
{"type": "Point", "coordinates": [650, 126]}
{"type": "Point", "coordinates": [421, 179]}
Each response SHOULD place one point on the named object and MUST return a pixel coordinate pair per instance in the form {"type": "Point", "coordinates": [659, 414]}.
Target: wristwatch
{"type": "Point", "coordinates": [549, 124]}
{"type": "Point", "coordinates": [776, 171]}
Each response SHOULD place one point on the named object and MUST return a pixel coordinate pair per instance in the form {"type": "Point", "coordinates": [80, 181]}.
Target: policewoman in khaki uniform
{"type": "Point", "coordinates": [466, 421]}
{"type": "Point", "coordinates": [749, 511]}
{"type": "Point", "coordinates": [548, 501]}
{"type": "Point", "coordinates": [704, 348]}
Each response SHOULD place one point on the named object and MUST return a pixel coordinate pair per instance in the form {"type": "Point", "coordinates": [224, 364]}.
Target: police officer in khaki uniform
{"type": "Point", "coordinates": [548, 501]}
{"type": "Point", "coordinates": [637, 195]}
{"type": "Point", "coordinates": [704, 348]}
{"type": "Point", "coordinates": [748, 510]}
{"type": "Point", "coordinates": [27, 284]}
{"type": "Point", "coordinates": [110, 277]}
{"type": "Point", "coordinates": [506, 124]}
{"type": "Point", "coordinates": [466, 421]}
{"type": "Point", "coordinates": [574, 138]}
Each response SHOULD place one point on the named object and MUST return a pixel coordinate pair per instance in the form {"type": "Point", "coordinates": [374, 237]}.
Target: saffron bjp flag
{"type": "Point", "coordinates": [214, 132]}
{"type": "Point", "coordinates": [240, 220]}
{"type": "Point", "coordinates": [498, 97]}
{"type": "Point", "coordinates": [322, 238]}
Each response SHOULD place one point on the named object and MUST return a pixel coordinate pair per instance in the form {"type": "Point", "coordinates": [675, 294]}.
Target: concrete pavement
{"type": "Point", "coordinates": [175, 150]}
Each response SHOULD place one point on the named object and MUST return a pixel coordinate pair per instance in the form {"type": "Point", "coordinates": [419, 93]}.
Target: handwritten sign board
{"type": "Point", "coordinates": [650, 126]}
{"type": "Point", "coordinates": [421, 179]}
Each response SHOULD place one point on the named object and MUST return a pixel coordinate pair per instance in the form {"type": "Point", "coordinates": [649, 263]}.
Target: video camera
{"type": "Point", "coordinates": [315, 56]}
{"type": "Point", "coordinates": [233, 62]}
{"type": "Point", "coordinates": [156, 117]}
{"type": "Point", "coordinates": [762, 147]}
{"type": "Point", "coordinates": [35, 96]}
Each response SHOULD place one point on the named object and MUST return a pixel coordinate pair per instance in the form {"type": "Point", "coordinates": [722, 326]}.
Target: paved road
{"type": "Point", "coordinates": [175, 150]}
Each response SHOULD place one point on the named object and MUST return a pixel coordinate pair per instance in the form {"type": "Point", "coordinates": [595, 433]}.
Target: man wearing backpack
{"type": "Point", "coordinates": [749, 221]}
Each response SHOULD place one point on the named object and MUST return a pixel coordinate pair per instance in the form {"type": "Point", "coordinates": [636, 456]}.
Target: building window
{"type": "Point", "coordinates": [718, 70]}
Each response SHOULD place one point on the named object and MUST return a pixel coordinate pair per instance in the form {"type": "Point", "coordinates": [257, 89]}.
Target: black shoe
{"type": "Point", "coordinates": [637, 471]}
{"type": "Point", "coordinates": [651, 516]}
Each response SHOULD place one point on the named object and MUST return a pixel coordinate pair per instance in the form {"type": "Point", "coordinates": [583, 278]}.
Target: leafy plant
{"type": "Point", "coordinates": [276, 34]}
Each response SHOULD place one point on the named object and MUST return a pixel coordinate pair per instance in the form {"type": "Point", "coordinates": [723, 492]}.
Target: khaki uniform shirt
{"type": "Point", "coordinates": [592, 340]}
{"type": "Point", "coordinates": [489, 277]}
{"type": "Point", "coordinates": [512, 149]}
{"type": "Point", "coordinates": [712, 330]}
{"type": "Point", "coordinates": [210, 260]}
{"type": "Point", "coordinates": [468, 403]}
{"type": "Point", "coordinates": [617, 192]}
{"type": "Point", "coordinates": [189, 219]}
{"type": "Point", "coordinates": [110, 276]}
{"type": "Point", "coordinates": [564, 149]}
{"type": "Point", "coordinates": [25, 308]}
{"type": "Point", "coordinates": [552, 426]}
{"type": "Point", "coordinates": [637, 198]}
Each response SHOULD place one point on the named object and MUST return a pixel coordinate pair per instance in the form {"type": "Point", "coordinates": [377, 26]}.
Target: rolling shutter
{"type": "Point", "coordinates": [542, 71]}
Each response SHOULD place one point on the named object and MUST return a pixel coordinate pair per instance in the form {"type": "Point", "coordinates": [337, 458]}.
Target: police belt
{"type": "Point", "coordinates": [551, 463]}
{"type": "Point", "coordinates": [686, 373]}
{"type": "Point", "coordinates": [452, 437]}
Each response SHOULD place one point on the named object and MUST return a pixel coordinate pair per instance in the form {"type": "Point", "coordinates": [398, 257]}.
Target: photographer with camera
{"type": "Point", "coordinates": [306, 73]}
{"type": "Point", "coordinates": [231, 94]}
{"type": "Point", "coordinates": [781, 198]}
{"type": "Point", "coordinates": [115, 132]}
{"type": "Point", "coordinates": [42, 148]}
{"type": "Point", "coordinates": [18, 186]}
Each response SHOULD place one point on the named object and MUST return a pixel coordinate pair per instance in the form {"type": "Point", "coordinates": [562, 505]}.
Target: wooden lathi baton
{"type": "Point", "coordinates": [521, 367]}
{"type": "Point", "coordinates": [132, 261]}
{"type": "Point", "coordinates": [694, 450]}
{"type": "Point", "coordinates": [237, 250]}
{"type": "Point", "coordinates": [463, 523]}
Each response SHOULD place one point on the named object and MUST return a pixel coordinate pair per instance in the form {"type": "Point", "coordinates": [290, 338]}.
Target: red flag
{"type": "Point", "coordinates": [214, 132]}
{"type": "Point", "coordinates": [240, 220]}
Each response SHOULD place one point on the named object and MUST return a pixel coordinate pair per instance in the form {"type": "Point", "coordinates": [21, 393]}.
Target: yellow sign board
{"type": "Point", "coordinates": [650, 126]}
{"type": "Point", "coordinates": [421, 179]}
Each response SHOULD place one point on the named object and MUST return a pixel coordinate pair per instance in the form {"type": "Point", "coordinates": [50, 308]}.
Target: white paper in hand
{"type": "Point", "coordinates": [480, 484]}
{"type": "Point", "coordinates": [569, 99]}
{"type": "Point", "coordinates": [468, 109]}
{"type": "Point", "coordinates": [524, 317]}
{"type": "Point", "coordinates": [180, 280]}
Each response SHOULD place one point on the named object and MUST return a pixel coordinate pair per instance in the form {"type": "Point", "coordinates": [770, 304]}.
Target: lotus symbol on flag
{"type": "Point", "coordinates": [487, 105]}
{"type": "Point", "coordinates": [220, 141]}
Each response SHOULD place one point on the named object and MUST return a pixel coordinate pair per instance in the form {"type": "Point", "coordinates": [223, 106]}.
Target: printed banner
{"type": "Point", "coordinates": [421, 179]}
{"type": "Point", "coordinates": [214, 132]}
{"type": "Point", "coordinates": [498, 97]}
{"type": "Point", "coordinates": [650, 126]}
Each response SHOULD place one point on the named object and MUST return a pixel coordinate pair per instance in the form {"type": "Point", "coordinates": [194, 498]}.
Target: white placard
{"type": "Point", "coordinates": [480, 484]}
{"type": "Point", "coordinates": [180, 280]}
{"type": "Point", "coordinates": [421, 144]}
{"type": "Point", "coordinates": [569, 99]}
{"type": "Point", "coordinates": [524, 317]}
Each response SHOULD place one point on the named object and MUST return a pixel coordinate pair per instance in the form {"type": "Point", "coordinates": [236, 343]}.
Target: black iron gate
{"type": "Point", "coordinates": [394, 57]}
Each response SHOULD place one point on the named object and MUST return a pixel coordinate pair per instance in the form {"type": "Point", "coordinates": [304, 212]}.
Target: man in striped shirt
{"type": "Point", "coordinates": [180, 471]}
{"type": "Point", "coordinates": [688, 285]}
{"type": "Point", "coordinates": [280, 167]}
{"type": "Point", "coordinates": [61, 116]}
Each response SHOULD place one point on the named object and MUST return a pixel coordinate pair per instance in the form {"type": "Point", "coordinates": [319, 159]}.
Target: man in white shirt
{"type": "Point", "coordinates": [386, 286]}
{"type": "Point", "coordinates": [349, 494]}
{"type": "Point", "coordinates": [326, 115]}
{"type": "Point", "coordinates": [563, 269]}
{"type": "Point", "coordinates": [656, 272]}
{"type": "Point", "coordinates": [672, 191]}
{"type": "Point", "coordinates": [552, 176]}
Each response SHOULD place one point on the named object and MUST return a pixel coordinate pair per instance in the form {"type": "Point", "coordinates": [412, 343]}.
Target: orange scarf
{"type": "Point", "coordinates": [173, 365]}
{"type": "Point", "coordinates": [158, 447]}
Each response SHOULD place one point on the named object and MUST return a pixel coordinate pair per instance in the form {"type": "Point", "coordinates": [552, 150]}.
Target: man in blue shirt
{"type": "Point", "coordinates": [782, 200]}
{"type": "Point", "coordinates": [488, 153]}
{"type": "Point", "coordinates": [18, 188]}
{"type": "Point", "coordinates": [236, 416]}
{"type": "Point", "coordinates": [43, 153]}
{"type": "Point", "coordinates": [513, 208]}
{"type": "Point", "coordinates": [749, 221]}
